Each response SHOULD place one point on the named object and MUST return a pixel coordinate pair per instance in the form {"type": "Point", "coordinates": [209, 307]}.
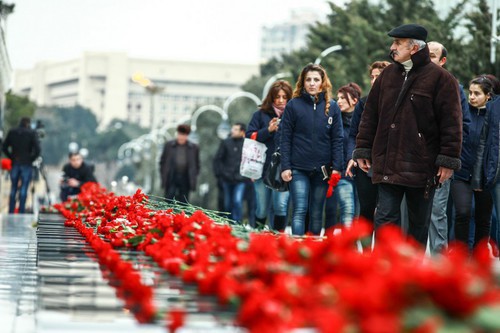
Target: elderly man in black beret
{"type": "Point", "coordinates": [410, 135]}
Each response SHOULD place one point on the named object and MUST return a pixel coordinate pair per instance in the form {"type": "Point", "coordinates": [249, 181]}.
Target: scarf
{"type": "Point", "coordinates": [278, 111]}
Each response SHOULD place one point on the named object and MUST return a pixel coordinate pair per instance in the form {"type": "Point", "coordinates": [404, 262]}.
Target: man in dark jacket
{"type": "Point", "coordinates": [227, 168]}
{"type": "Point", "coordinates": [410, 133]}
{"type": "Point", "coordinates": [23, 148]}
{"type": "Point", "coordinates": [75, 173]}
{"type": "Point", "coordinates": [179, 166]}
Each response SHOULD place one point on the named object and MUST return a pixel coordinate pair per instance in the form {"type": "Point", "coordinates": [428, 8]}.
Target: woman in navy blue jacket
{"type": "Point", "coordinates": [486, 176]}
{"type": "Point", "coordinates": [462, 191]}
{"type": "Point", "coordinates": [311, 140]}
{"type": "Point", "coordinates": [266, 123]}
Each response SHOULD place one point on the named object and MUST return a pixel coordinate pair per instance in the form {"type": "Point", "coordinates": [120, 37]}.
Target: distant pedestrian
{"type": "Point", "coordinates": [179, 166]}
{"type": "Point", "coordinates": [311, 146]}
{"type": "Point", "coordinates": [23, 148]}
{"type": "Point", "coordinates": [266, 122]}
{"type": "Point", "coordinates": [226, 164]}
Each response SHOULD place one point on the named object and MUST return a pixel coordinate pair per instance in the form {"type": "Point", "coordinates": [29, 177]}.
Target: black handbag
{"type": "Point", "coordinates": [272, 176]}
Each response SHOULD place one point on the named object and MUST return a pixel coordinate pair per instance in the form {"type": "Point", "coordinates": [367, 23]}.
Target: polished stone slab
{"type": "Point", "coordinates": [73, 294]}
{"type": "Point", "coordinates": [18, 274]}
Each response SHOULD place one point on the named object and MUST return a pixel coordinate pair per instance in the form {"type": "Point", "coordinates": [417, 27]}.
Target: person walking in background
{"type": "Point", "coordinates": [366, 190]}
{"type": "Point", "coordinates": [462, 191]}
{"type": "Point", "coordinates": [75, 173]}
{"type": "Point", "coordinates": [249, 198]}
{"type": "Point", "coordinates": [438, 229]}
{"type": "Point", "coordinates": [344, 197]}
{"type": "Point", "coordinates": [226, 166]}
{"type": "Point", "coordinates": [486, 171]}
{"type": "Point", "coordinates": [311, 142]}
{"type": "Point", "coordinates": [179, 166]}
{"type": "Point", "coordinates": [410, 133]}
{"type": "Point", "coordinates": [23, 147]}
{"type": "Point", "coordinates": [265, 122]}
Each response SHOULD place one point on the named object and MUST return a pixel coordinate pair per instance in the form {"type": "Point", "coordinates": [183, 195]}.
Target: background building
{"type": "Point", "coordinates": [105, 83]}
{"type": "Point", "coordinates": [5, 68]}
{"type": "Point", "coordinates": [288, 36]}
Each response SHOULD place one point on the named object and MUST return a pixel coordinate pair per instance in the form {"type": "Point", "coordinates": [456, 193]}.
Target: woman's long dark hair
{"type": "Point", "coordinates": [267, 103]}
{"type": "Point", "coordinates": [351, 89]}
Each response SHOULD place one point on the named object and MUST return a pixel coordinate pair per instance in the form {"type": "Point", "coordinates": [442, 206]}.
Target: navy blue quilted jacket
{"type": "Point", "coordinates": [469, 146]}
{"type": "Point", "coordinates": [487, 167]}
{"type": "Point", "coordinates": [309, 137]}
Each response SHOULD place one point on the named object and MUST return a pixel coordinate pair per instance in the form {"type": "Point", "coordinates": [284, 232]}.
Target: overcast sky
{"type": "Point", "coordinates": [212, 30]}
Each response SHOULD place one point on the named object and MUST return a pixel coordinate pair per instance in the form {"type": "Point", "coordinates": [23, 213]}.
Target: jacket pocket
{"type": "Point", "coordinates": [421, 102]}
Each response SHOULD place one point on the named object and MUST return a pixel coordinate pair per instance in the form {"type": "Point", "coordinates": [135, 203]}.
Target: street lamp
{"type": "Point", "coordinates": [494, 38]}
{"type": "Point", "coordinates": [240, 94]}
{"type": "Point", "coordinates": [237, 95]}
{"type": "Point", "coordinates": [326, 52]}
{"type": "Point", "coordinates": [84, 152]}
{"type": "Point", "coordinates": [152, 89]}
{"type": "Point", "coordinates": [73, 147]}
{"type": "Point", "coordinates": [223, 129]}
{"type": "Point", "coordinates": [273, 79]}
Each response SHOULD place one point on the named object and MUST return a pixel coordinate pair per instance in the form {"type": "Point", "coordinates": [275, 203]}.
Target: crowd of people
{"type": "Point", "coordinates": [414, 151]}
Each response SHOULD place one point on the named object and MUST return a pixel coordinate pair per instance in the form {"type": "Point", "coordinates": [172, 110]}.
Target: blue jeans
{"type": "Point", "coordinates": [344, 198]}
{"type": "Point", "coordinates": [233, 199]}
{"type": "Point", "coordinates": [266, 196]}
{"type": "Point", "coordinates": [23, 173]}
{"type": "Point", "coordinates": [308, 191]}
{"type": "Point", "coordinates": [438, 228]}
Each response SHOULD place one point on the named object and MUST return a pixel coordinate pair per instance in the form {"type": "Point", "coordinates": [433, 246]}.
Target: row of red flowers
{"type": "Point", "coordinates": [279, 282]}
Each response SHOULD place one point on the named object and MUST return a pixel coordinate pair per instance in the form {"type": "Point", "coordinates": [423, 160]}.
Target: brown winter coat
{"type": "Point", "coordinates": [409, 129]}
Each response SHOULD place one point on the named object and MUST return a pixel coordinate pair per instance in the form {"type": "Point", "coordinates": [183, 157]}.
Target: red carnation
{"type": "Point", "coordinates": [175, 319]}
{"type": "Point", "coordinates": [332, 183]}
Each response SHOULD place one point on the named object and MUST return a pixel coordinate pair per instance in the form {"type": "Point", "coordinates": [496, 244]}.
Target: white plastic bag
{"type": "Point", "coordinates": [253, 158]}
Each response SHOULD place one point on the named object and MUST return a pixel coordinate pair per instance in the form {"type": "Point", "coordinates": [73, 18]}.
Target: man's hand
{"type": "Point", "coordinates": [72, 182]}
{"type": "Point", "coordinates": [286, 175]}
{"type": "Point", "coordinates": [350, 165]}
{"type": "Point", "coordinates": [364, 164]}
{"type": "Point", "coordinates": [444, 174]}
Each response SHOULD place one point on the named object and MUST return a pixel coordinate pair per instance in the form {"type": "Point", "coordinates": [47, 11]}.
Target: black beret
{"type": "Point", "coordinates": [413, 31]}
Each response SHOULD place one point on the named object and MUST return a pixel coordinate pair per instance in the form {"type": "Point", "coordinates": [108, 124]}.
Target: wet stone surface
{"type": "Point", "coordinates": [51, 282]}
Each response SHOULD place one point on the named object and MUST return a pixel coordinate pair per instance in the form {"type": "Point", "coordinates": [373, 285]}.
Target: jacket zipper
{"type": "Point", "coordinates": [495, 179]}
{"type": "Point", "coordinates": [314, 127]}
